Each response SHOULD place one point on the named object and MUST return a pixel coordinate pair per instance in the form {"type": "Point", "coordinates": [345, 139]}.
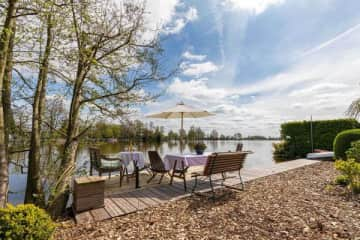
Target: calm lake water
{"type": "Point", "coordinates": [262, 158]}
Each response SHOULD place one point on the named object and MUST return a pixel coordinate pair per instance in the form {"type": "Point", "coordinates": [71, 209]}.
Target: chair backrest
{"type": "Point", "coordinates": [95, 156]}
{"type": "Point", "coordinates": [224, 162]}
{"type": "Point", "coordinates": [155, 161]}
{"type": "Point", "coordinates": [239, 147]}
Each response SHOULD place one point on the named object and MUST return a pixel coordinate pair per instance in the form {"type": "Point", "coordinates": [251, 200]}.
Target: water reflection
{"type": "Point", "coordinates": [261, 158]}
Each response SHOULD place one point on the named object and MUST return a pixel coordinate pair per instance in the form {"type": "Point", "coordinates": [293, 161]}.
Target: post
{"type": "Point", "coordinates": [311, 134]}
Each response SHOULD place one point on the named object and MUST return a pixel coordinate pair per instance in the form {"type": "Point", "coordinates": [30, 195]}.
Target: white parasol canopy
{"type": "Point", "coordinates": [181, 111]}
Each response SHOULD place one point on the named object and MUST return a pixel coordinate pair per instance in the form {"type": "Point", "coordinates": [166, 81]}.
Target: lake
{"type": "Point", "coordinates": [262, 157]}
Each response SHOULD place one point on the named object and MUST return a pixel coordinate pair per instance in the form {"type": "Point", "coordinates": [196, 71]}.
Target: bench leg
{"type": "Point", "coordinates": [242, 182]}
{"type": "Point", "coordinates": [212, 189]}
{"type": "Point", "coordinates": [195, 185]}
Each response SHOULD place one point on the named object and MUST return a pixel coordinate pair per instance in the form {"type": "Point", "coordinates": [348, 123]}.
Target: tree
{"type": "Point", "coordinates": [237, 136]}
{"type": "Point", "coordinates": [49, 17]}
{"type": "Point", "coordinates": [113, 61]}
{"type": "Point", "coordinates": [214, 135]}
{"type": "Point", "coordinates": [354, 109]}
{"type": "Point", "coordinates": [5, 49]}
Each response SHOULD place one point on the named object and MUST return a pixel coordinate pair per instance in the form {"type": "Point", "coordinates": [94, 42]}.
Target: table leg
{"type": "Point", "coordinates": [173, 173]}
{"type": "Point", "coordinates": [137, 184]}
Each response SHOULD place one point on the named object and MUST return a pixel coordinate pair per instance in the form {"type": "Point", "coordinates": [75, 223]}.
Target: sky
{"type": "Point", "coordinates": [258, 63]}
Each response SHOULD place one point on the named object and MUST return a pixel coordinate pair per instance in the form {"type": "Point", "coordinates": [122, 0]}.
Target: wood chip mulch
{"type": "Point", "coordinates": [298, 204]}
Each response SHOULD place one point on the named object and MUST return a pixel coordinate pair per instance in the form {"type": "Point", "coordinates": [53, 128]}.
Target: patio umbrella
{"type": "Point", "coordinates": [181, 111]}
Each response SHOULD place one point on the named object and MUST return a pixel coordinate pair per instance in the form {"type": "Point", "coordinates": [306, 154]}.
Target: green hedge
{"type": "Point", "coordinates": [343, 140]}
{"type": "Point", "coordinates": [297, 135]}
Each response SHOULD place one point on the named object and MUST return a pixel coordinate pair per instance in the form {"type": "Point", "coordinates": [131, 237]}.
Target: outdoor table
{"type": "Point", "coordinates": [137, 158]}
{"type": "Point", "coordinates": [181, 161]}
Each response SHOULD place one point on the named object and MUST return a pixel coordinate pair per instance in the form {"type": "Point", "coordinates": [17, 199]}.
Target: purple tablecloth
{"type": "Point", "coordinates": [187, 159]}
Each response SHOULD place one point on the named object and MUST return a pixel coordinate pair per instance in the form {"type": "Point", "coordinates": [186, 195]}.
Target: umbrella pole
{"type": "Point", "coordinates": [181, 132]}
{"type": "Point", "coordinates": [182, 123]}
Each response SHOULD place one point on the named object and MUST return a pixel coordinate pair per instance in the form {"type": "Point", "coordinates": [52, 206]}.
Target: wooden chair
{"type": "Point", "coordinates": [239, 147]}
{"type": "Point", "coordinates": [221, 163]}
{"type": "Point", "coordinates": [156, 166]}
{"type": "Point", "coordinates": [104, 164]}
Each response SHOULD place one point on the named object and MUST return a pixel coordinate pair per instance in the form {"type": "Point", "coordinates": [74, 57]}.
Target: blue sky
{"type": "Point", "coordinates": [258, 63]}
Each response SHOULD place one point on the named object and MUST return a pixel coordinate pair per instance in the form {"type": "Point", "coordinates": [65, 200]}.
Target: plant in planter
{"type": "Point", "coordinates": [199, 148]}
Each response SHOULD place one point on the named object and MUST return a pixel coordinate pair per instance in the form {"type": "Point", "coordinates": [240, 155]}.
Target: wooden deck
{"type": "Point", "coordinates": [119, 204]}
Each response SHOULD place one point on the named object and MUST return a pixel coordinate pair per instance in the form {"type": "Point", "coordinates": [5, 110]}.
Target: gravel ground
{"type": "Point", "coordinates": [298, 204]}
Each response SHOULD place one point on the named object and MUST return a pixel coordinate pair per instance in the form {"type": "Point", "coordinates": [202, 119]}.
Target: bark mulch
{"type": "Point", "coordinates": [298, 204]}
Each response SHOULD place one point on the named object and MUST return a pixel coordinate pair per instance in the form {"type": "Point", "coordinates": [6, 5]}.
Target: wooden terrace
{"type": "Point", "coordinates": [125, 200]}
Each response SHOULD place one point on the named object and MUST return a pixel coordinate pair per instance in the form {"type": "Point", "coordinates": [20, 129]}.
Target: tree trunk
{"type": "Point", "coordinates": [4, 53]}
{"type": "Point", "coordinates": [34, 193]}
{"type": "Point", "coordinates": [60, 198]}
{"type": "Point", "coordinates": [6, 97]}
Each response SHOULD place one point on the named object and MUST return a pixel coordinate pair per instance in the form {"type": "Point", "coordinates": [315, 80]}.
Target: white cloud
{"type": "Point", "coordinates": [198, 69]}
{"type": "Point", "coordinates": [253, 6]}
{"type": "Point", "coordinates": [191, 14]}
{"type": "Point", "coordinates": [170, 16]}
{"type": "Point", "coordinates": [196, 57]}
{"type": "Point", "coordinates": [180, 20]}
{"type": "Point", "coordinates": [322, 87]}
{"type": "Point", "coordinates": [196, 90]}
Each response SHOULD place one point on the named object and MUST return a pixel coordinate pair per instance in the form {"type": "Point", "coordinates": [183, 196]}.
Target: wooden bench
{"type": "Point", "coordinates": [221, 163]}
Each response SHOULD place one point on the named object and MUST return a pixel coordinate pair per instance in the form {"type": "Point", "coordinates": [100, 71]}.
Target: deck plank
{"type": "Point", "coordinates": [124, 205]}
{"type": "Point", "coordinates": [144, 198]}
{"type": "Point", "coordinates": [112, 208]}
{"type": "Point", "coordinates": [160, 195]}
{"type": "Point", "coordinates": [133, 200]}
{"type": "Point", "coordinates": [152, 195]}
{"type": "Point", "coordinates": [169, 190]}
{"type": "Point", "coordinates": [100, 214]}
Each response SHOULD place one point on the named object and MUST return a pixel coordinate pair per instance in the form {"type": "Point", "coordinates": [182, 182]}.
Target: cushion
{"type": "Point", "coordinates": [110, 164]}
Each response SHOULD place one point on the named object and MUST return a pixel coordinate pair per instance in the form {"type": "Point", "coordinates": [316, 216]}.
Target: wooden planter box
{"type": "Point", "coordinates": [88, 193]}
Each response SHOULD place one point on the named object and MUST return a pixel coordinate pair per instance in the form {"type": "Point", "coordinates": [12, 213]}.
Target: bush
{"type": "Point", "coordinates": [342, 180]}
{"type": "Point", "coordinates": [297, 135]}
{"type": "Point", "coordinates": [281, 150]}
{"type": "Point", "coordinates": [25, 221]}
{"type": "Point", "coordinates": [354, 151]}
{"type": "Point", "coordinates": [350, 170]}
{"type": "Point", "coordinates": [343, 142]}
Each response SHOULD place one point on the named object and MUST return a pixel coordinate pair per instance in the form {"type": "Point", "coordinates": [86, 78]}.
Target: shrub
{"type": "Point", "coordinates": [354, 151]}
{"type": "Point", "coordinates": [350, 169]}
{"type": "Point", "coordinates": [281, 150]}
{"type": "Point", "coordinates": [297, 135]}
{"type": "Point", "coordinates": [343, 141]}
{"type": "Point", "coordinates": [342, 180]}
{"type": "Point", "coordinates": [25, 221]}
